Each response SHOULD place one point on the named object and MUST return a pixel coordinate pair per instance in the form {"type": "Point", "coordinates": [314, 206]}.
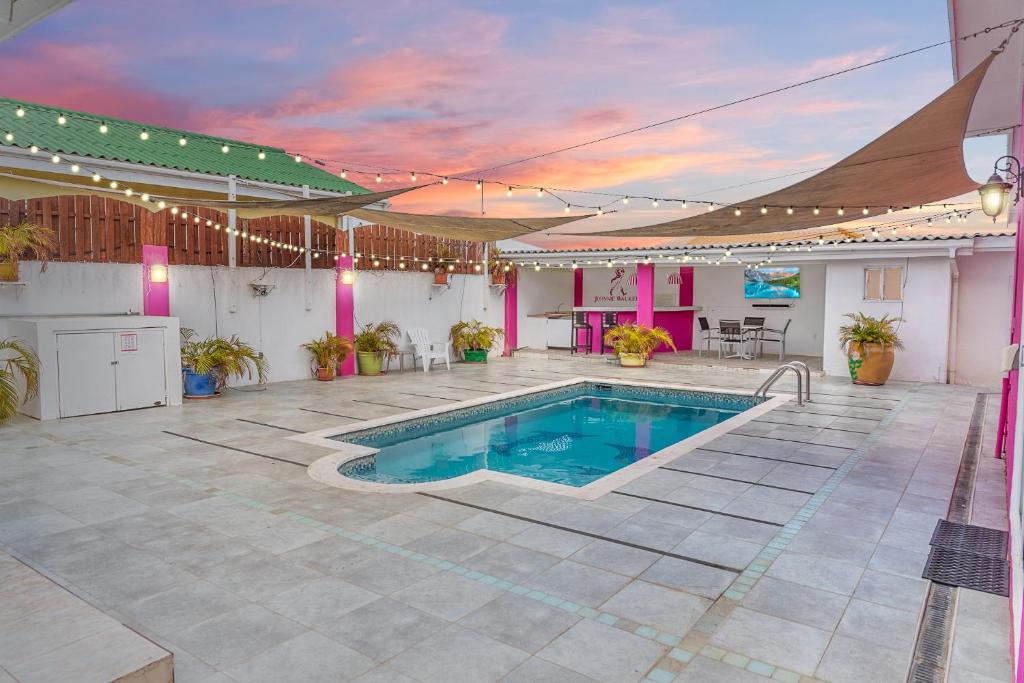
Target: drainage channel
{"type": "Point", "coordinates": [934, 635]}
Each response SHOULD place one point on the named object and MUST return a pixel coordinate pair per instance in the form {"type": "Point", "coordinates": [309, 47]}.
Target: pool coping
{"type": "Point", "coordinates": [325, 469]}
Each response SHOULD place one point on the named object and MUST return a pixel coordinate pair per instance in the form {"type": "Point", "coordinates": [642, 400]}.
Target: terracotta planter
{"type": "Point", "coordinates": [8, 271]}
{"type": "Point", "coordinates": [632, 360]}
{"type": "Point", "coordinates": [474, 356]}
{"type": "Point", "coordinates": [497, 278]}
{"type": "Point", "coordinates": [369, 362]}
{"type": "Point", "coordinates": [870, 364]}
{"type": "Point", "coordinates": [440, 277]}
{"type": "Point", "coordinates": [325, 374]}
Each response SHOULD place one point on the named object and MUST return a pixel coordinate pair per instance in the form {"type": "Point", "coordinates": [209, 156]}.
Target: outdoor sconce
{"type": "Point", "coordinates": [348, 277]}
{"type": "Point", "coordinates": [158, 273]}
{"type": "Point", "coordinates": [995, 192]}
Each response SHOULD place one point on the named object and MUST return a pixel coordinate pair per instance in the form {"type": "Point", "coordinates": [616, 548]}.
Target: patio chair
{"type": "Point", "coordinates": [776, 337]}
{"type": "Point", "coordinates": [579, 323]}
{"type": "Point", "coordinates": [707, 335]}
{"type": "Point", "coordinates": [754, 327]}
{"type": "Point", "coordinates": [731, 333]}
{"type": "Point", "coordinates": [428, 351]}
{"type": "Point", "coordinates": [609, 319]}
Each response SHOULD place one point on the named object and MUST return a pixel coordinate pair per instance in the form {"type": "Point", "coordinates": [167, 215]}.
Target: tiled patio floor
{"type": "Point", "coordinates": [790, 548]}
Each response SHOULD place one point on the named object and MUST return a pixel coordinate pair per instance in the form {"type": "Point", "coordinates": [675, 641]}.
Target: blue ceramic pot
{"type": "Point", "coordinates": [199, 385]}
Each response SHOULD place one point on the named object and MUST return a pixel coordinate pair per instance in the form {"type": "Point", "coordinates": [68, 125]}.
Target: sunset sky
{"type": "Point", "coordinates": [449, 86]}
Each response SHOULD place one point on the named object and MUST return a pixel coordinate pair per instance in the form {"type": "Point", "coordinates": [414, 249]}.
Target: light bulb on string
{"type": "Point", "coordinates": [479, 184]}
{"type": "Point", "coordinates": [444, 180]}
{"type": "Point", "coordinates": [568, 208]}
{"type": "Point", "coordinates": [103, 128]}
{"type": "Point", "coordinates": [61, 120]}
{"type": "Point", "coordinates": [20, 112]}
{"type": "Point", "coordinates": [764, 210]}
{"type": "Point", "coordinates": [144, 135]}
{"type": "Point", "coordinates": [840, 211]}
{"type": "Point", "coordinates": [225, 149]}
{"type": "Point", "coordinates": [55, 159]}
{"type": "Point", "coordinates": [817, 210]}
{"type": "Point", "coordinates": [540, 192]}
{"type": "Point", "coordinates": [625, 200]}
{"type": "Point", "coordinates": [113, 184]}
{"type": "Point", "coordinates": [865, 211]}
{"type": "Point", "coordinates": [889, 210]}
{"type": "Point", "coordinates": [379, 179]}
{"type": "Point", "coordinates": [683, 205]}
{"type": "Point", "coordinates": [711, 206]}
{"type": "Point", "coordinates": [789, 210]}
{"type": "Point", "coordinates": [34, 149]}
{"type": "Point", "coordinates": [182, 141]}
{"type": "Point", "coordinates": [654, 203]}
{"type": "Point", "coordinates": [96, 177]}
{"type": "Point", "coordinates": [737, 211]}
{"type": "Point", "coordinates": [75, 168]}
{"type": "Point", "coordinates": [412, 176]}
{"type": "Point", "coordinates": [9, 136]}
{"type": "Point", "coordinates": [344, 174]}
{"type": "Point", "coordinates": [508, 192]}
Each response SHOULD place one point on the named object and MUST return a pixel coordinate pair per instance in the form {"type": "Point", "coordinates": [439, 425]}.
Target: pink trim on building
{"type": "Point", "coordinates": [156, 296]}
{"type": "Point", "coordinates": [511, 317]}
{"type": "Point", "coordinates": [344, 310]}
{"type": "Point", "coordinates": [645, 294]}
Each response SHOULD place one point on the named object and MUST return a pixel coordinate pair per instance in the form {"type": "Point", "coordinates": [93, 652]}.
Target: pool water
{"type": "Point", "coordinates": [572, 440]}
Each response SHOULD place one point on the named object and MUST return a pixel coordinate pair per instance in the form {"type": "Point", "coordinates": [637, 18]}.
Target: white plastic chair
{"type": "Point", "coordinates": [426, 350]}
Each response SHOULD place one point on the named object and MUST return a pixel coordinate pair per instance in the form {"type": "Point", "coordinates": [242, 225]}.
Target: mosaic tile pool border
{"type": "Point", "coordinates": [466, 415]}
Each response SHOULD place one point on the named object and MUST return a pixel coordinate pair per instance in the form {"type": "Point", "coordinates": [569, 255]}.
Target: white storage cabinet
{"type": "Point", "coordinates": [103, 365]}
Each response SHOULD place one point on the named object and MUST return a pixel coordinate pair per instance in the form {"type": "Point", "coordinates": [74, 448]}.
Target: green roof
{"type": "Point", "coordinates": [80, 135]}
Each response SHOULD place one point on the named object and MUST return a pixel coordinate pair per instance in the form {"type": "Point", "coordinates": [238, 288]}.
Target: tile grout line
{"type": "Point", "coordinates": [692, 645]}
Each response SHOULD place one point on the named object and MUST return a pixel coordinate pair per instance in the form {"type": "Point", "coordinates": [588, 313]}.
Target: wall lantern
{"type": "Point", "coordinates": [995, 192]}
{"type": "Point", "coordinates": [348, 277]}
{"type": "Point", "coordinates": [157, 273]}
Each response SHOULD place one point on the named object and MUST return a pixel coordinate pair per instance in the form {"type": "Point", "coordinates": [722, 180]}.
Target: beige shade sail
{"type": "Point", "coordinates": [467, 228]}
{"type": "Point", "coordinates": [324, 206]}
{"type": "Point", "coordinates": [918, 162]}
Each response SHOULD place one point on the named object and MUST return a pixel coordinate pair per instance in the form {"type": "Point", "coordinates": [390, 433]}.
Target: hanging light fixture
{"type": "Point", "coordinates": [996, 191]}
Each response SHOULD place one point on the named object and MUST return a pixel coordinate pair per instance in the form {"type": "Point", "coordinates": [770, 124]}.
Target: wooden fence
{"type": "Point", "coordinates": [106, 230]}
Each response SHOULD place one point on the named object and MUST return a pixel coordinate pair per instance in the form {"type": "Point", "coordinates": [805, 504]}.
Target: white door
{"type": "Point", "coordinates": [141, 374]}
{"type": "Point", "coordinates": [85, 373]}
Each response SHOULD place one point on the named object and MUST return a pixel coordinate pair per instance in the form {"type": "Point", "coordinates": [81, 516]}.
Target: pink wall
{"type": "Point", "coordinates": [511, 316]}
{"type": "Point", "coordinates": [577, 287]}
{"type": "Point", "coordinates": [344, 310]}
{"type": "Point", "coordinates": [645, 294]}
{"type": "Point", "coordinates": [156, 296]}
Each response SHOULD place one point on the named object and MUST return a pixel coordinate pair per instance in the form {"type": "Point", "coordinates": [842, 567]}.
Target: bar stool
{"type": "Point", "coordinates": [579, 322]}
{"type": "Point", "coordinates": [609, 319]}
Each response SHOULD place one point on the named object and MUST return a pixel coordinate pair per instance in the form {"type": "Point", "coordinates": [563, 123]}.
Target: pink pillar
{"type": "Point", "coordinates": [684, 340]}
{"type": "Point", "coordinates": [511, 315]}
{"type": "Point", "coordinates": [577, 287]}
{"type": "Point", "coordinates": [645, 294]}
{"type": "Point", "coordinates": [344, 308]}
{"type": "Point", "coordinates": [156, 290]}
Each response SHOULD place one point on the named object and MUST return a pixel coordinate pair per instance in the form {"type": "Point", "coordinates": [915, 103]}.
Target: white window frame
{"type": "Point", "coordinates": [881, 285]}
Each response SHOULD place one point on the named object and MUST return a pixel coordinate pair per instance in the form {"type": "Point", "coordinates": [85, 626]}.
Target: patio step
{"type": "Point", "coordinates": [706, 362]}
{"type": "Point", "coordinates": [49, 634]}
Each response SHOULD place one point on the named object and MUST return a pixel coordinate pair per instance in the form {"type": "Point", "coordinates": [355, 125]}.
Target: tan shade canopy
{"type": "Point", "coordinates": [324, 206]}
{"type": "Point", "coordinates": [917, 162]}
{"type": "Point", "coordinates": [463, 227]}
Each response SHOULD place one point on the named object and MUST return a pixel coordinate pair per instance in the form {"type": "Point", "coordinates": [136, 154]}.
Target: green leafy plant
{"type": "Point", "coordinates": [443, 255]}
{"type": "Point", "coordinates": [498, 267]}
{"type": "Point", "coordinates": [330, 350]}
{"type": "Point", "coordinates": [637, 339]}
{"type": "Point", "coordinates": [25, 238]}
{"type": "Point", "coordinates": [866, 329]}
{"type": "Point", "coordinates": [225, 358]}
{"type": "Point", "coordinates": [379, 337]}
{"type": "Point", "coordinates": [16, 360]}
{"type": "Point", "coordinates": [474, 336]}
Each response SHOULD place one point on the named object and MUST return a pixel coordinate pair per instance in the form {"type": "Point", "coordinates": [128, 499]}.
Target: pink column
{"type": "Point", "coordinates": [645, 294]}
{"type": "Point", "coordinates": [684, 340]}
{"type": "Point", "coordinates": [511, 314]}
{"type": "Point", "coordinates": [577, 287]}
{"type": "Point", "coordinates": [156, 290]}
{"type": "Point", "coordinates": [344, 308]}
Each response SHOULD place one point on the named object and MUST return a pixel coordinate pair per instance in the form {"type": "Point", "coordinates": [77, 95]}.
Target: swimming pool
{"type": "Point", "coordinates": [565, 436]}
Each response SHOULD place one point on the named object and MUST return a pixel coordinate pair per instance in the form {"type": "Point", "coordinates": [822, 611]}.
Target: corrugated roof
{"type": "Point", "coordinates": [706, 245]}
{"type": "Point", "coordinates": [202, 154]}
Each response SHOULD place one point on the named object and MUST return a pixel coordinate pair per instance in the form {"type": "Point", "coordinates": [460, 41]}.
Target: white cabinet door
{"type": "Point", "coordinates": [85, 373]}
{"type": "Point", "coordinates": [141, 376]}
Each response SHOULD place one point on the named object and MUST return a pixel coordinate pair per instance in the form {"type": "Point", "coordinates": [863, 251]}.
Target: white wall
{"type": "Point", "coordinates": [548, 289]}
{"type": "Point", "coordinates": [925, 309]}
{"type": "Point", "coordinates": [219, 301]}
{"type": "Point", "coordinates": [983, 316]}
{"type": "Point", "coordinates": [719, 289]}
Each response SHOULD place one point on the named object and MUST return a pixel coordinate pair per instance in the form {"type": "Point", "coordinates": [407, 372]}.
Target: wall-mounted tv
{"type": "Point", "coordinates": [781, 282]}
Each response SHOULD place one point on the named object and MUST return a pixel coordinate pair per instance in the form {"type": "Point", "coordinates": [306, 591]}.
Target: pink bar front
{"type": "Point", "coordinates": [645, 294]}
{"type": "Point", "coordinates": [156, 296]}
{"type": "Point", "coordinates": [511, 317]}
{"type": "Point", "coordinates": [344, 309]}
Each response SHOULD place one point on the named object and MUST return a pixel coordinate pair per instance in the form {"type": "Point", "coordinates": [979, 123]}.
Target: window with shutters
{"type": "Point", "coordinates": [883, 283]}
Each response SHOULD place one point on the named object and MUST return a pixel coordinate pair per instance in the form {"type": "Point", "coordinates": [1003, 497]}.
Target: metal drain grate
{"type": "Point", "coordinates": [968, 570]}
{"type": "Point", "coordinates": [970, 539]}
{"type": "Point", "coordinates": [932, 649]}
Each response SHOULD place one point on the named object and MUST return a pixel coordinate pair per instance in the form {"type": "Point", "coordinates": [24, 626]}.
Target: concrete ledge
{"type": "Point", "coordinates": [49, 634]}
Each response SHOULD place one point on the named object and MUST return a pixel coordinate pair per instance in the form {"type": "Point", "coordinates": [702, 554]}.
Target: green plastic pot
{"type": "Point", "coordinates": [369, 362]}
{"type": "Point", "coordinates": [474, 355]}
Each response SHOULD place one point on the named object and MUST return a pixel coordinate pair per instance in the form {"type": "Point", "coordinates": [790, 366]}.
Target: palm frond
{"type": "Point", "coordinates": [638, 339]}
{"type": "Point", "coordinates": [17, 360]}
{"type": "Point", "coordinates": [26, 238]}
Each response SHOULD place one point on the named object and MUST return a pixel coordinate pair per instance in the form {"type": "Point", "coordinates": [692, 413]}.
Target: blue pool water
{"type": "Point", "coordinates": [571, 437]}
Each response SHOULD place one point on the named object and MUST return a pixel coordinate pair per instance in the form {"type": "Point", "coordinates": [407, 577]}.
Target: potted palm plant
{"type": "Point", "coordinates": [870, 345]}
{"type": "Point", "coordinates": [474, 339]}
{"type": "Point", "coordinates": [501, 271]}
{"type": "Point", "coordinates": [374, 342]}
{"type": "Point", "coordinates": [18, 240]}
{"type": "Point", "coordinates": [16, 360]}
{"type": "Point", "coordinates": [207, 364]}
{"type": "Point", "coordinates": [634, 343]}
{"type": "Point", "coordinates": [329, 352]}
{"type": "Point", "coordinates": [443, 255]}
